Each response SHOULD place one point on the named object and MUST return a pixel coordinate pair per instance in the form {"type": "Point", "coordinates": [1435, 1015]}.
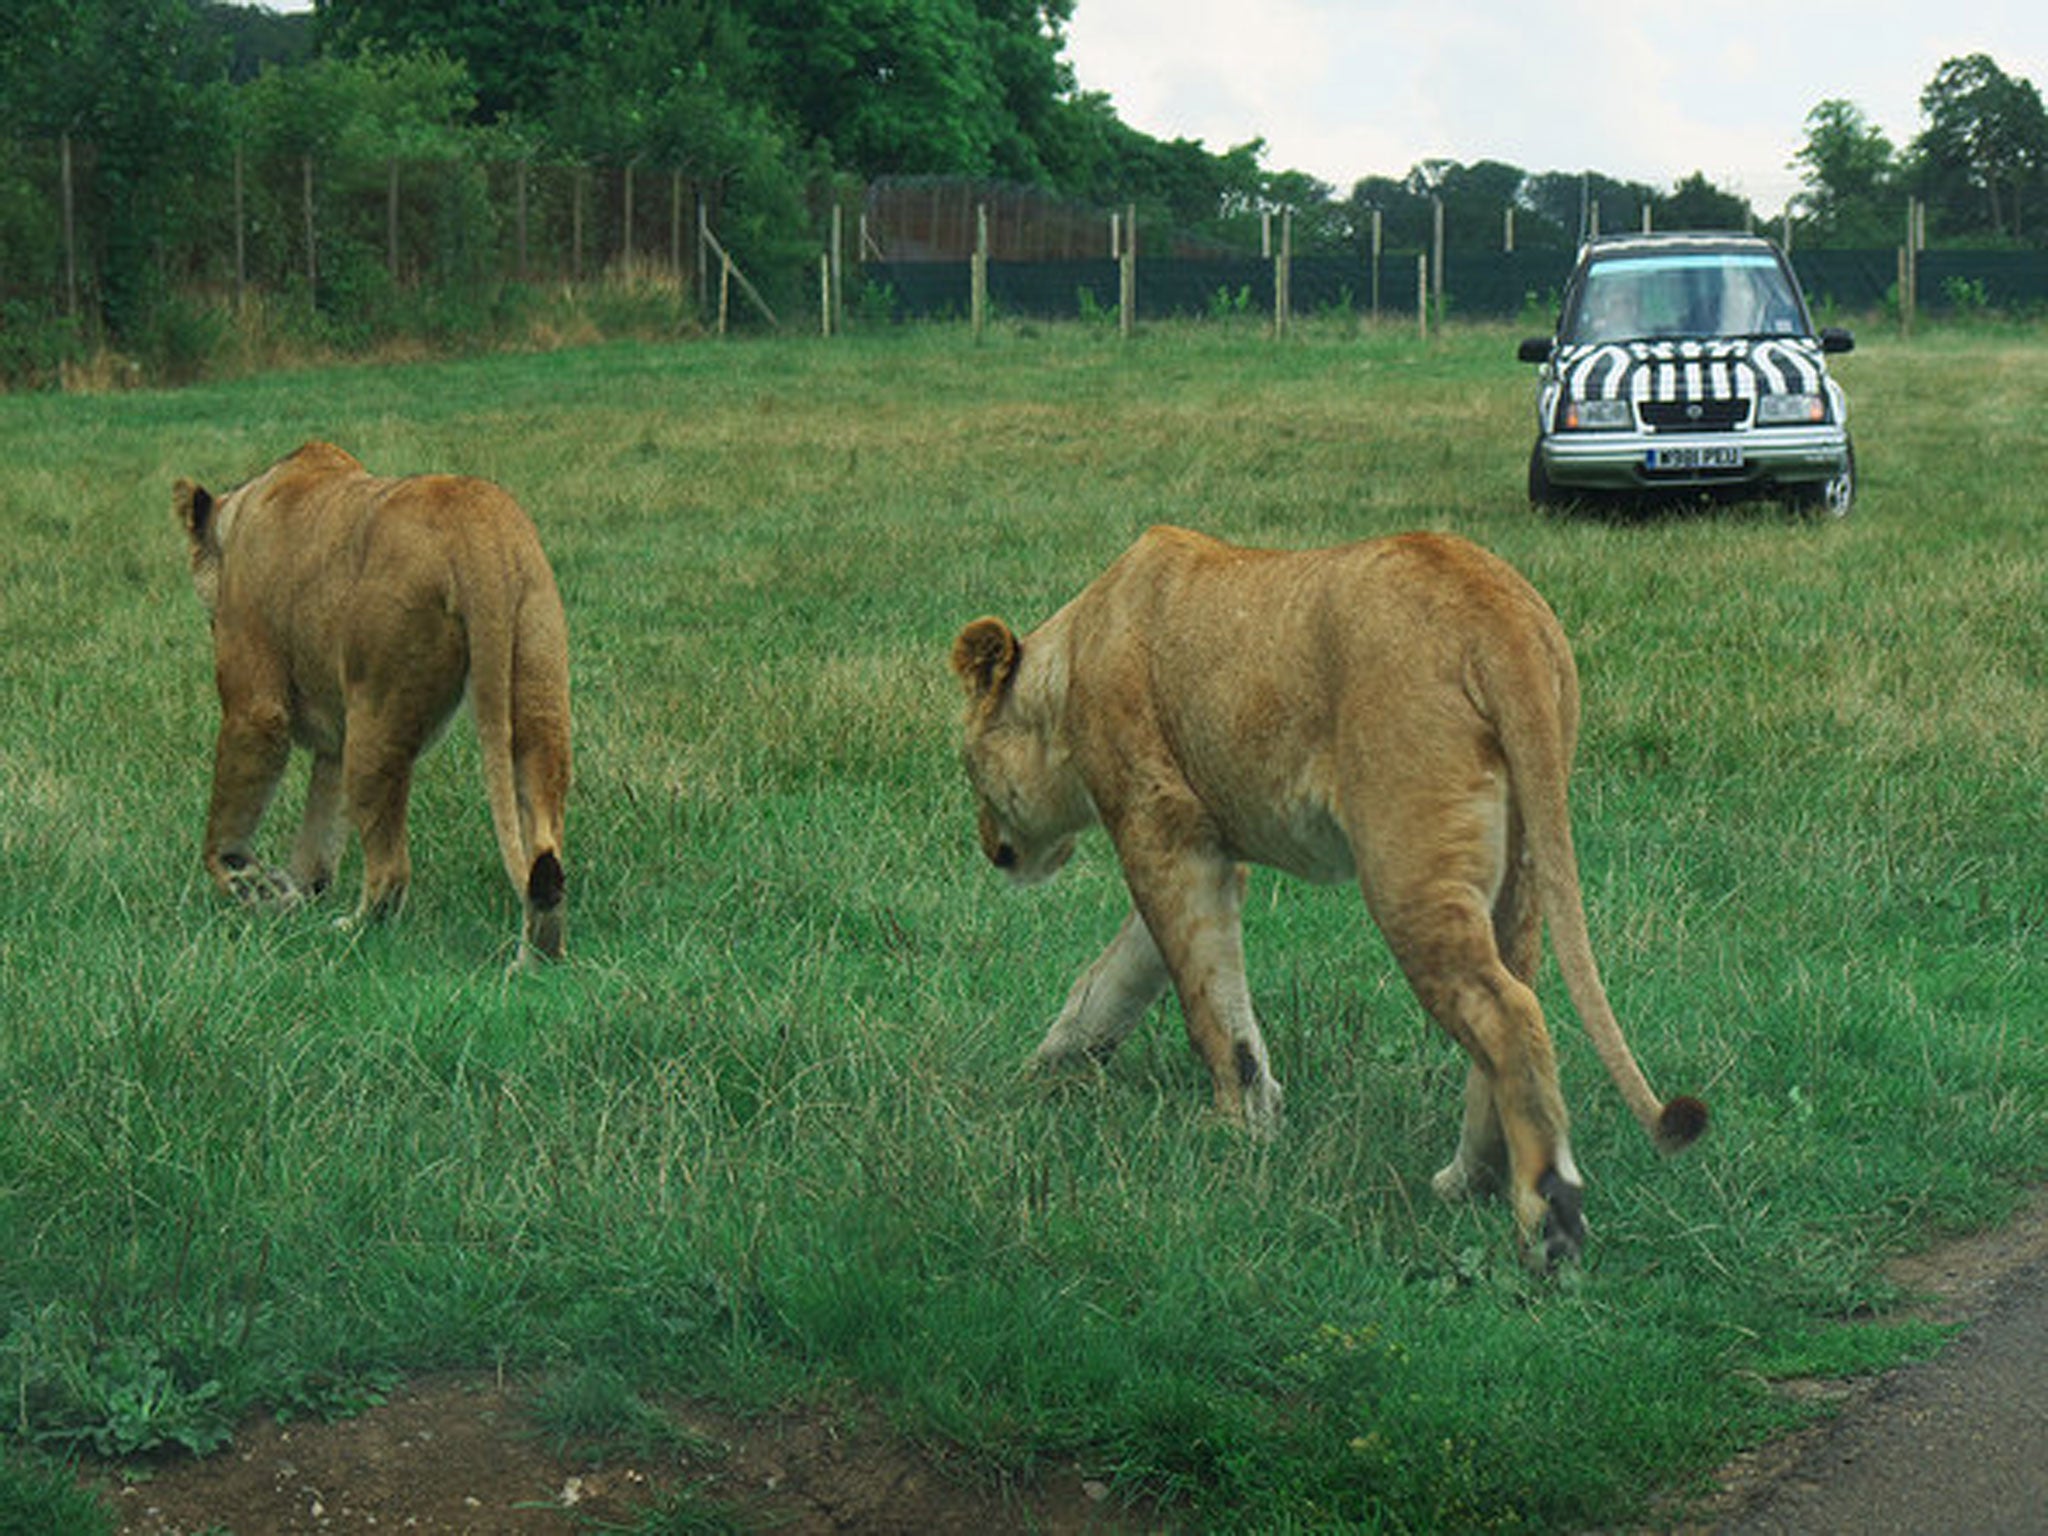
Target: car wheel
{"type": "Point", "coordinates": [1541, 492]}
{"type": "Point", "coordinates": [1828, 498]}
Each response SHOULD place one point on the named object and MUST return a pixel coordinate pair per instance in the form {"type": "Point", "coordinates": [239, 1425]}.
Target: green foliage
{"type": "Point", "coordinates": [1984, 153]}
{"type": "Point", "coordinates": [41, 1495]}
{"type": "Point", "coordinates": [1848, 194]}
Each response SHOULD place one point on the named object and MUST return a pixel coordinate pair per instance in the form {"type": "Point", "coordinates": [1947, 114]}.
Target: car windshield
{"type": "Point", "coordinates": [1679, 294]}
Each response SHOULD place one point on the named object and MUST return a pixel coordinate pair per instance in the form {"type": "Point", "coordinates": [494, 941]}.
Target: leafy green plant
{"type": "Point", "coordinates": [37, 1494]}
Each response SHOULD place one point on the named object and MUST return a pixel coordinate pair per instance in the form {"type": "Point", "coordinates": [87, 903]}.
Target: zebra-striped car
{"type": "Point", "coordinates": [1687, 365]}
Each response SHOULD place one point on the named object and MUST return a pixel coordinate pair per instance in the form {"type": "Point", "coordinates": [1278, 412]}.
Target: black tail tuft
{"type": "Point", "coordinates": [1681, 1123]}
{"type": "Point", "coordinates": [545, 884]}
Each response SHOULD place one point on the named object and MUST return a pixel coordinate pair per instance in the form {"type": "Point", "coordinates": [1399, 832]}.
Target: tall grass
{"type": "Point", "coordinates": [769, 1137]}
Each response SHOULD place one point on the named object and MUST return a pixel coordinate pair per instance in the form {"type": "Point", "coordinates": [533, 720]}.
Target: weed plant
{"type": "Point", "coordinates": [768, 1136]}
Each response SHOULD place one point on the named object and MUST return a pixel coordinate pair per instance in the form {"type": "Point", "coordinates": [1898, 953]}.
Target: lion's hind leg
{"type": "Point", "coordinates": [1446, 947]}
{"type": "Point", "coordinates": [323, 832]}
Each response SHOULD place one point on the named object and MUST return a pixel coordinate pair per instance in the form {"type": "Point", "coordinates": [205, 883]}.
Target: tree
{"type": "Point", "coordinates": [909, 87]}
{"type": "Point", "coordinates": [1985, 145]}
{"type": "Point", "coordinates": [1848, 171]}
{"type": "Point", "coordinates": [135, 80]}
{"type": "Point", "coordinates": [1696, 203]}
{"type": "Point", "coordinates": [1586, 202]}
{"type": "Point", "coordinates": [514, 53]}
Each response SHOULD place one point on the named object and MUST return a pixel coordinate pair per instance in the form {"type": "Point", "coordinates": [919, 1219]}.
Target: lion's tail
{"type": "Point", "coordinates": [519, 692]}
{"type": "Point", "coordinates": [1537, 717]}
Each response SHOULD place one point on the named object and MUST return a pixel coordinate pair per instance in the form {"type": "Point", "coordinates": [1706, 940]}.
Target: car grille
{"type": "Point", "coordinates": [1695, 415]}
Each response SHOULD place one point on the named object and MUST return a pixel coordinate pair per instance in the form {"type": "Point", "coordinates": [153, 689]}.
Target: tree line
{"type": "Point", "coordinates": [761, 103]}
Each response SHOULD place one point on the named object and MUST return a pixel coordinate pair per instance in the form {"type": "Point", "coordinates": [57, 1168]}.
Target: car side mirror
{"type": "Point", "coordinates": [1534, 349]}
{"type": "Point", "coordinates": [1835, 339]}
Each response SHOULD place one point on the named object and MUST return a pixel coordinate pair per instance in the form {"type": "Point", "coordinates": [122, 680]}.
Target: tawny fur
{"type": "Point", "coordinates": [1401, 712]}
{"type": "Point", "coordinates": [351, 617]}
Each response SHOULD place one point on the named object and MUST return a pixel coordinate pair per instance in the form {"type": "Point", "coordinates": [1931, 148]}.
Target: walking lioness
{"type": "Point", "coordinates": [1401, 712]}
{"type": "Point", "coordinates": [351, 615]}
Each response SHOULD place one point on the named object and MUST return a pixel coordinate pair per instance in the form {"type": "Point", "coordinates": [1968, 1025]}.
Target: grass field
{"type": "Point", "coordinates": [768, 1137]}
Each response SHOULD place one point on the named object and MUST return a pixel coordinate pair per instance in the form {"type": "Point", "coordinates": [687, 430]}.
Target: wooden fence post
{"type": "Point", "coordinates": [1376, 266]}
{"type": "Point", "coordinates": [519, 221]}
{"type": "Point", "coordinates": [1127, 274]}
{"type": "Point", "coordinates": [70, 197]}
{"type": "Point", "coordinates": [977, 270]}
{"type": "Point", "coordinates": [626, 223]}
{"type": "Point", "coordinates": [312, 231]}
{"type": "Point", "coordinates": [835, 292]}
{"type": "Point", "coordinates": [576, 226]}
{"type": "Point", "coordinates": [675, 227]}
{"type": "Point", "coordinates": [241, 237]}
{"type": "Point", "coordinates": [1436, 271]}
{"type": "Point", "coordinates": [1283, 262]}
{"type": "Point", "coordinates": [391, 223]}
{"type": "Point", "coordinates": [1422, 294]}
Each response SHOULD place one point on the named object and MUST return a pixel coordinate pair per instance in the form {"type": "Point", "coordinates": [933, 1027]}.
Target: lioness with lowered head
{"type": "Point", "coordinates": [352, 615]}
{"type": "Point", "coordinates": [1401, 712]}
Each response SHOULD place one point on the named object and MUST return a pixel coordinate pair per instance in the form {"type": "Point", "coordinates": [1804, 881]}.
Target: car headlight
{"type": "Point", "coordinates": [1597, 415]}
{"type": "Point", "coordinates": [1785, 410]}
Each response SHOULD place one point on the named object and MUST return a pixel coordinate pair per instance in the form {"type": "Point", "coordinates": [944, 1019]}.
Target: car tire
{"type": "Point", "coordinates": [1828, 498]}
{"type": "Point", "coordinates": [1541, 492]}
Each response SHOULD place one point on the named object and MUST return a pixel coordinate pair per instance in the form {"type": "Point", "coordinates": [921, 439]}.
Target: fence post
{"type": "Point", "coordinates": [675, 227]}
{"type": "Point", "coordinates": [824, 295]}
{"type": "Point", "coordinates": [1436, 274]}
{"type": "Point", "coordinates": [977, 268]}
{"type": "Point", "coordinates": [626, 223]}
{"type": "Point", "coordinates": [70, 226]}
{"type": "Point", "coordinates": [312, 233]}
{"type": "Point", "coordinates": [1127, 274]}
{"type": "Point", "coordinates": [391, 222]}
{"type": "Point", "coordinates": [1375, 266]}
{"type": "Point", "coordinates": [836, 292]}
{"type": "Point", "coordinates": [241, 237]}
{"type": "Point", "coordinates": [1283, 294]}
{"type": "Point", "coordinates": [1422, 294]}
{"type": "Point", "coordinates": [576, 226]}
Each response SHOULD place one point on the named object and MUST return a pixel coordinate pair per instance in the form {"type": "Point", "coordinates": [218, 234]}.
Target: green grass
{"type": "Point", "coordinates": [769, 1138]}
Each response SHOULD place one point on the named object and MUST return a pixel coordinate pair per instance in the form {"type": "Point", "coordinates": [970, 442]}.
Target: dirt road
{"type": "Point", "coordinates": [1957, 1444]}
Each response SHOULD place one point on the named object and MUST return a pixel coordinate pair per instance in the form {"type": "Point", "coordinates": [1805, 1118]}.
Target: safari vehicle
{"type": "Point", "coordinates": [1687, 365]}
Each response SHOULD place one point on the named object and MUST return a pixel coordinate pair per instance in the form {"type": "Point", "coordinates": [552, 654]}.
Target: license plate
{"type": "Point", "coordinates": [1712, 456]}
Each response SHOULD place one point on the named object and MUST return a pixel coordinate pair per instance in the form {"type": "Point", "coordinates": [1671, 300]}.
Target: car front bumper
{"type": "Point", "coordinates": [1622, 461]}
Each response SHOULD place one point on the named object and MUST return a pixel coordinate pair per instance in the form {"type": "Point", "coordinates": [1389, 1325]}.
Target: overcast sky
{"type": "Point", "coordinates": [1650, 91]}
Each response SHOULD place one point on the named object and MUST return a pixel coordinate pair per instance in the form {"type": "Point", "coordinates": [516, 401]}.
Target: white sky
{"type": "Point", "coordinates": [1650, 91]}
{"type": "Point", "coordinates": [1647, 91]}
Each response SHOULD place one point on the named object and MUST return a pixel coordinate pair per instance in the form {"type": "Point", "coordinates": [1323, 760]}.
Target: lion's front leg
{"type": "Point", "coordinates": [1193, 903]}
{"type": "Point", "coordinates": [1108, 999]}
{"type": "Point", "coordinates": [249, 758]}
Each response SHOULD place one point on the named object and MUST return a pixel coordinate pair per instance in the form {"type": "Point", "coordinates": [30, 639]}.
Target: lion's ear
{"type": "Point", "coordinates": [985, 656]}
{"type": "Point", "coordinates": [194, 507]}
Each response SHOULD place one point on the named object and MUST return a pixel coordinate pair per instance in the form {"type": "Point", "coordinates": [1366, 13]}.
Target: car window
{"type": "Point", "coordinates": [1665, 296]}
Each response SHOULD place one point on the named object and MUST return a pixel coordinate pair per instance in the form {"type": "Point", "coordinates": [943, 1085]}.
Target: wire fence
{"type": "Point", "coordinates": [355, 239]}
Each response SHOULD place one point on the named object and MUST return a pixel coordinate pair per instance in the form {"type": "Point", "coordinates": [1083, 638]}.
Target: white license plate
{"type": "Point", "coordinates": [1713, 456]}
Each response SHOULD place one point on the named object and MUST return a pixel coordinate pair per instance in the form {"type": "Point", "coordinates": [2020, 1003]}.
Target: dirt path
{"type": "Point", "coordinates": [1957, 1444]}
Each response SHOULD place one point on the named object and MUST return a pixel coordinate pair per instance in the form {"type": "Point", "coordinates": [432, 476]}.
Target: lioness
{"type": "Point", "coordinates": [351, 615]}
{"type": "Point", "coordinates": [1401, 712]}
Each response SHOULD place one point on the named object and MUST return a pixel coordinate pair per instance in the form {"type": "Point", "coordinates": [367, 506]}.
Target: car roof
{"type": "Point", "coordinates": [1703, 242]}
